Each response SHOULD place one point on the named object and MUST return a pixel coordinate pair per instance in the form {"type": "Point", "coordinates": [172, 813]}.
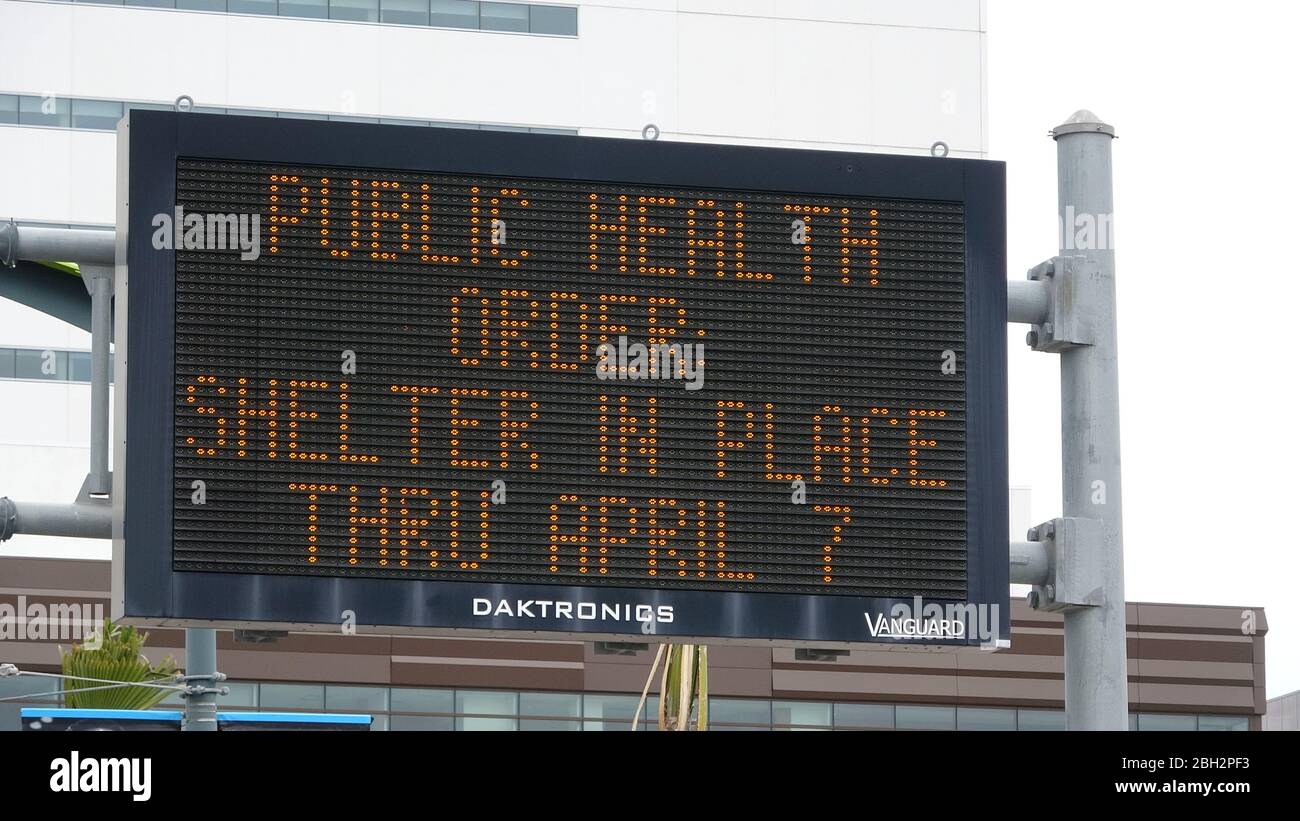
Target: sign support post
{"type": "Point", "coordinates": [1072, 309]}
{"type": "Point", "coordinates": [200, 677]}
{"type": "Point", "coordinates": [1096, 662]}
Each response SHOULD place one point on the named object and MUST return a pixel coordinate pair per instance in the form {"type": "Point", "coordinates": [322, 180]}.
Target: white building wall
{"type": "Point", "coordinates": [864, 75]}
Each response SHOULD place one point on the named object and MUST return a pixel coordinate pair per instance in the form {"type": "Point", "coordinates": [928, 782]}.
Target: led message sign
{"type": "Point", "coordinates": [490, 381]}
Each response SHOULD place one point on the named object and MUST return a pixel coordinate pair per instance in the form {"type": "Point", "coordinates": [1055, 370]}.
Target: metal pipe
{"type": "Point", "coordinates": [78, 520]}
{"type": "Point", "coordinates": [1028, 301]}
{"type": "Point", "coordinates": [201, 672]}
{"type": "Point", "coordinates": [1096, 664]}
{"type": "Point", "coordinates": [100, 282]}
{"type": "Point", "coordinates": [80, 245]}
{"type": "Point", "coordinates": [1029, 563]}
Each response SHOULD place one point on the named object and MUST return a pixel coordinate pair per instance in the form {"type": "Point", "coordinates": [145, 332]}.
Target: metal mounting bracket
{"type": "Point", "coordinates": [1074, 576]}
{"type": "Point", "coordinates": [1066, 326]}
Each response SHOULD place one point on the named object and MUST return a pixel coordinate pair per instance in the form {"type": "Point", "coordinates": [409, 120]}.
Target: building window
{"type": "Point", "coordinates": [100, 114]}
{"type": "Point", "coordinates": [550, 705]}
{"type": "Point", "coordinates": [316, 9]}
{"type": "Point", "coordinates": [103, 115]}
{"type": "Point", "coordinates": [1040, 719]}
{"type": "Point", "coordinates": [1220, 723]}
{"type": "Point", "coordinates": [460, 14]}
{"type": "Point", "coordinates": [864, 716]}
{"type": "Point", "coordinates": [356, 699]}
{"type": "Point", "coordinates": [739, 711]}
{"type": "Point", "coordinates": [48, 365]}
{"type": "Point", "coordinates": [985, 718]}
{"type": "Point", "coordinates": [32, 363]}
{"type": "Point", "coordinates": [362, 11]}
{"type": "Point", "coordinates": [916, 717]}
{"type": "Point", "coordinates": [801, 715]}
{"type": "Point", "coordinates": [252, 7]}
{"type": "Point", "coordinates": [421, 723]}
{"type": "Point", "coordinates": [486, 710]}
{"type": "Point", "coordinates": [1162, 721]}
{"type": "Point", "coordinates": [426, 709]}
{"type": "Point", "coordinates": [553, 19]}
{"type": "Point", "coordinates": [503, 17]}
{"type": "Point", "coordinates": [52, 112]}
{"type": "Point", "coordinates": [550, 711]}
{"type": "Point", "coordinates": [404, 12]}
{"type": "Point", "coordinates": [419, 700]}
{"type": "Point", "coordinates": [614, 713]}
{"type": "Point", "coordinates": [292, 697]}
{"type": "Point", "coordinates": [201, 5]}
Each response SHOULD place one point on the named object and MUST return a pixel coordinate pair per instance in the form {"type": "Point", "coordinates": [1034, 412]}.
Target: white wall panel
{"type": "Point", "coordinates": [299, 64]}
{"type": "Point", "coordinates": [822, 88]}
{"type": "Point", "coordinates": [726, 75]}
{"type": "Point", "coordinates": [62, 175]}
{"type": "Point", "coordinates": [478, 76]}
{"type": "Point", "coordinates": [145, 54]}
{"type": "Point", "coordinates": [953, 14]}
{"type": "Point", "coordinates": [24, 327]}
{"type": "Point", "coordinates": [43, 413]}
{"type": "Point", "coordinates": [918, 101]}
{"type": "Point", "coordinates": [36, 54]}
{"type": "Point", "coordinates": [629, 69]}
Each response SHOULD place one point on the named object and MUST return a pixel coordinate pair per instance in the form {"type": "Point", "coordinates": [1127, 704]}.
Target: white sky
{"type": "Point", "coordinates": [1203, 97]}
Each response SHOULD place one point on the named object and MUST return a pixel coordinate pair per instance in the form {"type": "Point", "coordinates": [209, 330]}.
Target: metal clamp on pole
{"type": "Point", "coordinates": [1063, 326]}
{"type": "Point", "coordinates": [1074, 575]}
{"type": "Point", "coordinates": [200, 673]}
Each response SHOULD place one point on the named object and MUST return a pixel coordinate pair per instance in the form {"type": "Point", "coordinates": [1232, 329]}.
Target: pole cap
{"type": "Point", "coordinates": [1082, 121]}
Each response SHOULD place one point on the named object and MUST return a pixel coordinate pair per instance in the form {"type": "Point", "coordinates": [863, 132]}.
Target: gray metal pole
{"type": "Point", "coordinates": [1030, 563]}
{"type": "Point", "coordinates": [100, 284]}
{"type": "Point", "coordinates": [80, 245]}
{"type": "Point", "coordinates": [201, 672]}
{"type": "Point", "coordinates": [77, 520]}
{"type": "Point", "coordinates": [1028, 302]}
{"type": "Point", "coordinates": [1096, 665]}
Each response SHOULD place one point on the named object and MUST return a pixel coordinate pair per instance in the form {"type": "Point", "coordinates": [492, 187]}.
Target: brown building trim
{"type": "Point", "coordinates": [1180, 657]}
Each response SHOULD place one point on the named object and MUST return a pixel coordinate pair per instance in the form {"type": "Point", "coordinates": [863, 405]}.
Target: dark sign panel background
{"type": "Point", "coordinates": [370, 488]}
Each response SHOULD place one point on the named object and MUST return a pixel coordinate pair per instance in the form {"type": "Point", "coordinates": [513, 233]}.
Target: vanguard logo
{"type": "Point", "coordinates": [934, 621]}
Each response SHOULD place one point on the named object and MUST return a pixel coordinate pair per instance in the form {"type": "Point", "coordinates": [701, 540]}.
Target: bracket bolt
{"type": "Point", "coordinates": [1031, 598]}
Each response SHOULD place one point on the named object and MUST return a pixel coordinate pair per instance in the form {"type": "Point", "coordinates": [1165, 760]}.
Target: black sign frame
{"type": "Point", "coordinates": [147, 590]}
